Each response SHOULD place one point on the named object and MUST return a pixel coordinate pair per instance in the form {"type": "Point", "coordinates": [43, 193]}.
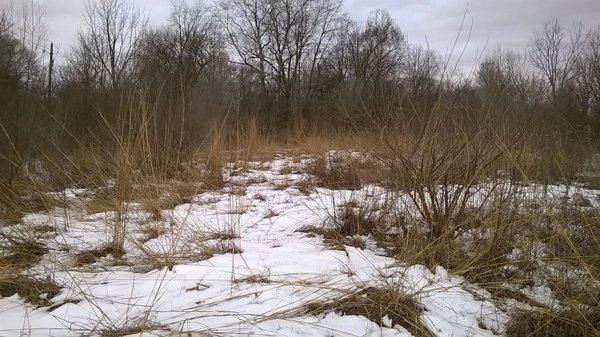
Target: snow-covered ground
{"type": "Point", "coordinates": [262, 274]}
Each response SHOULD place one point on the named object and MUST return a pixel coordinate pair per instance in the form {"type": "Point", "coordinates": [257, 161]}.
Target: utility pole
{"type": "Point", "coordinates": [50, 66]}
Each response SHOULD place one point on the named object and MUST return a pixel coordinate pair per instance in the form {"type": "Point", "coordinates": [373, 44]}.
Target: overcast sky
{"type": "Point", "coordinates": [495, 23]}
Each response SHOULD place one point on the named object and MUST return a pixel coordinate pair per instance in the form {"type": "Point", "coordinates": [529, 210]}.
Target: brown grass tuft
{"type": "Point", "coordinates": [34, 291]}
{"type": "Point", "coordinates": [23, 253]}
{"type": "Point", "coordinates": [543, 323]}
{"type": "Point", "coordinates": [90, 256]}
{"type": "Point", "coordinates": [257, 278]}
{"type": "Point", "coordinates": [345, 171]}
{"type": "Point", "coordinates": [375, 304]}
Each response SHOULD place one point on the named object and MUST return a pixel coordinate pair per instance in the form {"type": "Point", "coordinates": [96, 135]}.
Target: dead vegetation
{"type": "Point", "coordinates": [138, 326]}
{"type": "Point", "coordinates": [90, 256]}
{"type": "Point", "coordinates": [18, 199]}
{"type": "Point", "coordinates": [570, 322]}
{"type": "Point", "coordinates": [431, 142]}
{"type": "Point", "coordinates": [486, 235]}
{"type": "Point", "coordinates": [471, 240]}
{"type": "Point", "coordinates": [32, 290]}
{"type": "Point", "coordinates": [188, 250]}
{"type": "Point", "coordinates": [349, 225]}
{"type": "Point", "coordinates": [345, 170]}
{"type": "Point", "coordinates": [22, 252]}
{"type": "Point", "coordinates": [16, 259]}
{"type": "Point", "coordinates": [257, 278]}
{"type": "Point", "coordinates": [377, 304]}
{"type": "Point", "coordinates": [333, 239]}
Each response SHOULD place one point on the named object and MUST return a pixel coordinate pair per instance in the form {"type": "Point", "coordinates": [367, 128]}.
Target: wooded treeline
{"type": "Point", "coordinates": [282, 64]}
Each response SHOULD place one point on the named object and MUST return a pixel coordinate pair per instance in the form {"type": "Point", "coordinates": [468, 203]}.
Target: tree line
{"type": "Point", "coordinates": [280, 63]}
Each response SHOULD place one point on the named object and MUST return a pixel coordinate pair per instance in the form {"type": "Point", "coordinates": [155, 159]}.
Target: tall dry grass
{"type": "Point", "coordinates": [458, 198]}
{"type": "Point", "coordinates": [462, 180]}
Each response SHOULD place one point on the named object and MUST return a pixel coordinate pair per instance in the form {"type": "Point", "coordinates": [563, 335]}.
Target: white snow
{"type": "Point", "coordinates": [217, 294]}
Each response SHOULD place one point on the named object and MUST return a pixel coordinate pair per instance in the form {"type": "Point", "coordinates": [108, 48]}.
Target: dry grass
{"type": "Point", "coordinates": [191, 251]}
{"type": "Point", "coordinates": [334, 174]}
{"type": "Point", "coordinates": [162, 195]}
{"type": "Point", "coordinates": [90, 256]}
{"type": "Point", "coordinates": [151, 232]}
{"type": "Point", "coordinates": [567, 263]}
{"type": "Point", "coordinates": [345, 171]}
{"type": "Point", "coordinates": [103, 200]}
{"type": "Point", "coordinates": [439, 163]}
{"type": "Point", "coordinates": [573, 236]}
{"type": "Point", "coordinates": [257, 278]}
{"type": "Point", "coordinates": [138, 326]}
{"type": "Point", "coordinates": [549, 159]}
{"type": "Point", "coordinates": [352, 221]}
{"type": "Point", "coordinates": [154, 194]}
{"type": "Point", "coordinates": [306, 185]}
{"type": "Point", "coordinates": [20, 255]}
{"type": "Point", "coordinates": [441, 173]}
{"type": "Point", "coordinates": [17, 199]}
{"type": "Point", "coordinates": [349, 224]}
{"type": "Point", "coordinates": [375, 304]}
{"type": "Point", "coordinates": [567, 323]}
{"type": "Point", "coordinates": [333, 239]}
{"type": "Point", "coordinates": [414, 247]}
{"type": "Point", "coordinates": [37, 292]}
{"type": "Point", "coordinates": [224, 235]}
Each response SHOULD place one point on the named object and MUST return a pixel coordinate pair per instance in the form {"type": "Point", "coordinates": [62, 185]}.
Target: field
{"type": "Point", "coordinates": [297, 168]}
{"type": "Point", "coordinates": [304, 245]}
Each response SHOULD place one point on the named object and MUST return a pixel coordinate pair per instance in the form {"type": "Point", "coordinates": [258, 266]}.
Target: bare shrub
{"type": "Point", "coordinates": [440, 166]}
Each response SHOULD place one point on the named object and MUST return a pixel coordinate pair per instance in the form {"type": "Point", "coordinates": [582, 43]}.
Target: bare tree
{"type": "Point", "coordinates": [504, 74]}
{"type": "Point", "coordinates": [281, 42]}
{"type": "Point", "coordinates": [375, 52]}
{"type": "Point", "coordinates": [363, 70]}
{"type": "Point", "coordinates": [176, 55]}
{"type": "Point", "coordinates": [554, 52]}
{"type": "Point", "coordinates": [421, 71]}
{"type": "Point", "coordinates": [505, 85]}
{"type": "Point", "coordinates": [178, 64]}
{"type": "Point", "coordinates": [244, 22]}
{"type": "Point", "coordinates": [33, 28]}
{"type": "Point", "coordinates": [110, 40]}
{"type": "Point", "coordinates": [589, 74]}
{"type": "Point", "coordinates": [6, 22]}
{"type": "Point", "coordinates": [22, 36]}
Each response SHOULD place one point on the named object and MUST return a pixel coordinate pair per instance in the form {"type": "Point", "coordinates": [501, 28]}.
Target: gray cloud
{"type": "Point", "coordinates": [66, 17]}
{"type": "Point", "coordinates": [508, 24]}
{"type": "Point", "coordinates": [495, 23]}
